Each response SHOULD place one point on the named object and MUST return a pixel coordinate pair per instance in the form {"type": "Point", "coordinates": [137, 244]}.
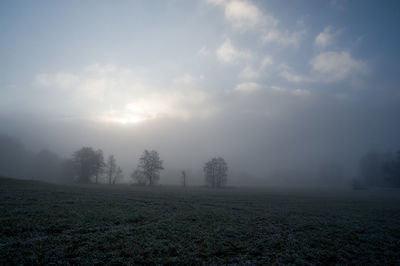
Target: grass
{"type": "Point", "coordinates": [44, 224]}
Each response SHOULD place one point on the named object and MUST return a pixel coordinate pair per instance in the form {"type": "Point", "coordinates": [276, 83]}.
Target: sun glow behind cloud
{"type": "Point", "coordinates": [244, 62]}
{"type": "Point", "coordinates": [143, 110]}
{"type": "Point", "coordinates": [126, 96]}
{"type": "Point", "coordinates": [123, 119]}
{"type": "Point", "coordinates": [238, 70]}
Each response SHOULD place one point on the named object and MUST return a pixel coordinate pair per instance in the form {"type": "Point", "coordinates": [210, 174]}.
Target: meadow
{"type": "Point", "coordinates": [43, 223]}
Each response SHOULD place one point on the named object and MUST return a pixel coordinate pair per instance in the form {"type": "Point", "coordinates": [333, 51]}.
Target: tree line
{"type": "Point", "coordinates": [18, 162]}
{"type": "Point", "coordinates": [88, 165]}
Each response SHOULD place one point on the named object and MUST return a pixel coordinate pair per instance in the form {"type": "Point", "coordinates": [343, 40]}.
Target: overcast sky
{"type": "Point", "coordinates": [262, 83]}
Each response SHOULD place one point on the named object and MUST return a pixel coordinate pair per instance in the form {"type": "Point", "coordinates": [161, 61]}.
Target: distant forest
{"type": "Point", "coordinates": [87, 165]}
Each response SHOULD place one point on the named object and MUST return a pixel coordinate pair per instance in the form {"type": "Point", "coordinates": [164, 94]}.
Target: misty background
{"type": "Point", "coordinates": [287, 94]}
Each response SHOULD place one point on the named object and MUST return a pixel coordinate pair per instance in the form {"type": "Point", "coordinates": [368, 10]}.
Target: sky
{"type": "Point", "coordinates": [268, 85]}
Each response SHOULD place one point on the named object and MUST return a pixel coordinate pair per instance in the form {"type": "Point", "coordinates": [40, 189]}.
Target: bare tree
{"type": "Point", "coordinates": [111, 169]}
{"type": "Point", "coordinates": [150, 166]}
{"type": "Point", "coordinates": [184, 178]}
{"type": "Point", "coordinates": [118, 175]}
{"type": "Point", "coordinates": [99, 161]}
{"type": "Point", "coordinates": [215, 172]}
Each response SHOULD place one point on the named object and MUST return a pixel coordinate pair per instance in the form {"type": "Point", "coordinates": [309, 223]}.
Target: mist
{"type": "Point", "coordinates": [267, 151]}
{"type": "Point", "coordinates": [203, 132]}
{"type": "Point", "coordinates": [280, 92]}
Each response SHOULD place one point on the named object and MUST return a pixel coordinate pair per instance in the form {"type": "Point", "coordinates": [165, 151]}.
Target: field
{"type": "Point", "coordinates": [44, 223]}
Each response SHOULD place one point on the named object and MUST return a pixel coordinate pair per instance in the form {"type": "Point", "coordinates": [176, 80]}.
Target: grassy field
{"type": "Point", "coordinates": [45, 223]}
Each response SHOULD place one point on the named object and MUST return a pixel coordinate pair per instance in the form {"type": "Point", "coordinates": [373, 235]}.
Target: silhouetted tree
{"type": "Point", "coordinates": [99, 165]}
{"type": "Point", "coordinates": [118, 175]}
{"type": "Point", "coordinates": [138, 177]}
{"type": "Point", "coordinates": [86, 164]}
{"type": "Point", "coordinates": [184, 178]}
{"type": "Point", "coordinates": [215, 172]}
{"type": "Point", "coordinates": [150, 166]}
{"type": "Point", "coordinates": [111, 169]}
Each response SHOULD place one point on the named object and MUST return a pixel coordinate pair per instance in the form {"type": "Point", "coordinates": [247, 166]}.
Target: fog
{"type": "Point", "coordinates": [284, 101]}
{"type": "Point", "coordinates": [201, 132]}
{"type": "Point", "coordinates": [290, 150]}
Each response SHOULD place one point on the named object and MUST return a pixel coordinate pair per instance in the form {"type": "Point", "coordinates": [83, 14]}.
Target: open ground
{"type": "Point", "coordinates": [44, 223]}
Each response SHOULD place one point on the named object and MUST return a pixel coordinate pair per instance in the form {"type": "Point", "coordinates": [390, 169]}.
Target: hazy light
{"type": "Point", "coordinates": [129, 119]}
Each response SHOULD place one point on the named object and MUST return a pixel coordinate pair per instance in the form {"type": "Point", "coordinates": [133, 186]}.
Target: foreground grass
{"type": "Point", "coordinates": [43, 223]}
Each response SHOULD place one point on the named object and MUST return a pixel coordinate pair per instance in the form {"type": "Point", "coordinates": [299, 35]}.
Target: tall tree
{"type": "Point", "coordinates": [118, 175]}
{"type": "Point", "coordinates": [86, 164]}
{"type": "Point", "coordinates": [99, 164]}
{"type": "Point", "coordinates": [215, 172]}
{"type": "Point", "coordinates": [111, 169]}
{"type": "Point", "coordinates": [150, 166]}
{"type": "Point", "coordinates": [139, 177]}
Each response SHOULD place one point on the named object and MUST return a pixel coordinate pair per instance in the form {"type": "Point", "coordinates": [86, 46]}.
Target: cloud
{"type": "Point", "coordinates": [284, 38]}
{"type": "Point", "coordinates": [278, 89]}
{"type": "Point", "coordinates": [266, 62]}
{"type": "Point", "coordinates": [249, 73]}
{"type": "Point", "coordinates": [247, 87]}
{"type": "Point", "coordinates": [97, 82]}
{"type": "Point", "coordinates": [98, 69]}
{"type": "Point", "coordinates": [173, 104]}
{"type": "Point", "coordinates": [245, 16]}
{"type": "Point", "coordinates": [301, 92]}
{"type": "Point", "coordinates": [203, 52]}
{"type": "Point", "coordinates": [330, 67]}
{"type": "Point", "coordinates": [216, 2]}
{"type": "Point", "coordinates": [293, 77]}
{"type": "Point", "coordinates": [227, 53]}
{"type": "Point", "coordinates": [325, 38]}
{"type": "Point", "coordinates": [337, 66]}
{"type": "Point", "coordinates": [187, 80]}
{"type": "Point", "coordinates": [112, 93]}
{"type": "Point", "coordinates": [288, 91]}
{"type": "Point", "coordinates": [62, 80]}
